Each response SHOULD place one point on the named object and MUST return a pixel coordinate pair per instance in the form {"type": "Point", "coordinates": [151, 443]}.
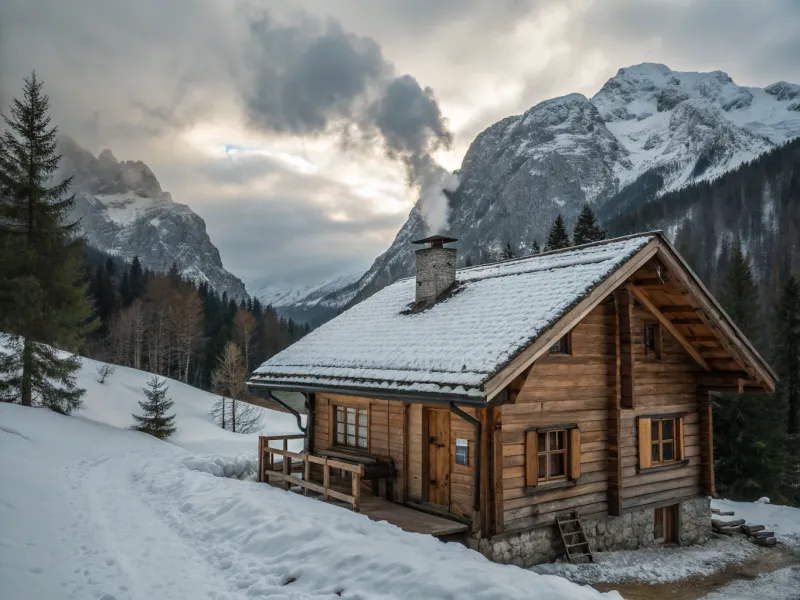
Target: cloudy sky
{"type": "Point", "coordinates": [302, 131]}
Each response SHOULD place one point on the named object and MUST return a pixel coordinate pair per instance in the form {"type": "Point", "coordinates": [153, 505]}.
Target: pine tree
{"type": "Point", "coordinates": [587, 229]}
{"type": "Point", "coordinates": [468, 262]}
{"type": "Point", "coordinates": [786, 352]}
{"type": "Point", "coordinates": [43, 300]}
{"type": "Point", "coordinates": [508, 252]}
{"type": "Point", "coordinates": [739, 295]}
{"type": "Point", "coordinates": [535, 248]}
{"type": "Point", "coordinates": [558, 237]}
{"type": "Point", "coordinates": [155, 420]}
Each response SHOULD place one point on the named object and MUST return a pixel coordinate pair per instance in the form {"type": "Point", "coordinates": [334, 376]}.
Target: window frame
{"type": "Point", "coordinates": [358, 411]}
{"type": "Point", "coordinates": [566, 339]}
{"type": "Point", "coordinates": [653, 353]}
{"type": "Point", "coordinates": [571, 433]}
{"type": "Point", "coordinates": [546, 453]}
{"type": "Point", "coordinates": [646, 464]}
{"type": "Point", "coordinates": [661, 441]}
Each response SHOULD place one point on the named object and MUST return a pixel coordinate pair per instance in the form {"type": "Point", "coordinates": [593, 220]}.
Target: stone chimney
{"type": "Point", "coordinates": [436, 268]}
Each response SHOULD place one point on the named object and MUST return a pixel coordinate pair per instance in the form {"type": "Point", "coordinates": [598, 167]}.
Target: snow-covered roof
{"type": "Point", "coordinates": [455, 346]}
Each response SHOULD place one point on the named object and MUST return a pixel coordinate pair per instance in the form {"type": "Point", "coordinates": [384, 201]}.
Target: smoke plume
{"type": "Point", "coordinates": [311, 78]}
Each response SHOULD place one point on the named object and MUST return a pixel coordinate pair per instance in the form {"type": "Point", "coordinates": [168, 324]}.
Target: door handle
{"type": "Point", "coordinates": [434, 482]}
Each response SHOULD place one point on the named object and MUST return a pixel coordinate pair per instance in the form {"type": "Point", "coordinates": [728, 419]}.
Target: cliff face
{"type": "Point", "coordinates": [648, 131]}
{"type": "Point", "coordinates": [123, 211]}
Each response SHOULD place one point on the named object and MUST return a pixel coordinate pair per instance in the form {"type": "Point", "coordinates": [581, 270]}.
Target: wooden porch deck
{"type": "Point", "coordinates": [409, 519]}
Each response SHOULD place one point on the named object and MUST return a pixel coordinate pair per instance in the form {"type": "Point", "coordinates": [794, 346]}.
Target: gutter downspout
{"type": "Point", "coordinates": [476, 474]}
{"type": "Point", "coordinates": [296, 414]}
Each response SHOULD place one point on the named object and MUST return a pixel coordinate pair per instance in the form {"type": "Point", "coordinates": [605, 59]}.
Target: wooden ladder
{"type": "Point", "coordinates": [574, 537]}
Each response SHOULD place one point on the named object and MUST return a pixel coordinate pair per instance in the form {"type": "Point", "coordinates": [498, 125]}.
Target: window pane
{"type": "Point", "coordinates": [542, 442]}
{"type": "Point", "coordinates": [667, 450]}
{"type": "Point", "coordinates": [542, 466]}
{"type": "Point", "coordinates": [339, 414]}
{"type": "Point", "coordinates": [655, 453]}
{"type": "Point", "coordinates": [351, 440]}
{"type": "Point", "coordinates": [362, 417]}
{"type": "Point", "coordinates": [654, 431]}
{"type": "Point", "coordinates": [339, 437]}
{"type": "Point", "coordinates": [558, 347]}
{"type": "Point", "coordinates": [668, 429]}
{"type": "Point", "coordinates": [351, 415]}
{"type": "Point", "coordinates": [362, 442]}
{"type": "Point", "coordinates": [557, 464]}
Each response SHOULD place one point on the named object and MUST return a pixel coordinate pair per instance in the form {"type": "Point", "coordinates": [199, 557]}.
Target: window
{"type": "Point", "coordinates": [552, 447]}
{"type": "Point", "coordinates": [352, 427]}
{"type": "Point", "coordinates": [562, 346]}
{"type": "Point", "coordinates": [652, 340]}
{"type": "Point", "coordinates": [552, 454]}
{"type": "Point", "coordinates": [660, 441]}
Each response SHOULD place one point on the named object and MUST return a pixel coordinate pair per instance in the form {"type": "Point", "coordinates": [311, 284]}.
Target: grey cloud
{"type": "Point", "coordinates": [313, 78]}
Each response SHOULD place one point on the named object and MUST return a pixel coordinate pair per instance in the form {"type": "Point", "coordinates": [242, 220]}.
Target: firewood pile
{"type": "Point", "coordinates": [756, 533]}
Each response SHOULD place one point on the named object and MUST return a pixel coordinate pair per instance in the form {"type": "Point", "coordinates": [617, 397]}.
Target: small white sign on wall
{"type": "Point", "coordinates": [462, 452]}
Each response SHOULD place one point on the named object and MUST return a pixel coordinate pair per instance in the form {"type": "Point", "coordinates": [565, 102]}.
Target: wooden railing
{"type": "Point", "coordinates": [267, 470]}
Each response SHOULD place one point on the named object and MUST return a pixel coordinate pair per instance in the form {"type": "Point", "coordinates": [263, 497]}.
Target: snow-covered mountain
{"type": "Point", "coordinates": [307, 302]}
{"type": "Point", "coordinates": [123, 211]}
{"type": "Point", "coordinates": [647, 131]}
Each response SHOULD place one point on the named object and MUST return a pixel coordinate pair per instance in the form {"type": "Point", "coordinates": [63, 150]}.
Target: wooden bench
{"type": "Point", "coordinates": [380, 470]}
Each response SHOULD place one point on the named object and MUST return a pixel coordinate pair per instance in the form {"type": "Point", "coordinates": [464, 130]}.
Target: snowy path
{"type": "Point", "coordinates": [89, 511]}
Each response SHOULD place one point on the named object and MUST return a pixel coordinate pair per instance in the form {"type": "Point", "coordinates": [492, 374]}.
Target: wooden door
{"type": "Point", "coordinates": [665, 529]}
{"type": "Point", "coordinates": [438, 439]}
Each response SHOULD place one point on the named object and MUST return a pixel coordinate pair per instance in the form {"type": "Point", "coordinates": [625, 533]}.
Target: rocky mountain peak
{"type": "Point", "coordinates": [124, 211]}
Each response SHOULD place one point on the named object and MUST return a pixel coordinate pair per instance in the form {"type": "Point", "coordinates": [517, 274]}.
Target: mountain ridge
{"type": "Point", "coordinates": [648, 131]}
{"type": "Point", "coordinates": [123, 211]}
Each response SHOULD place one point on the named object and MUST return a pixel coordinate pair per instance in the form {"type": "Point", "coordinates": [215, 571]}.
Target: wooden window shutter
{"type": "Point", "coordinates": [679, 439]}
{"type": "Point", "coordinates": [645, 444]}
{"type": "Point", "coordinates": [531, 458]}
{"type": "Point", "coordinates": [574, 453]}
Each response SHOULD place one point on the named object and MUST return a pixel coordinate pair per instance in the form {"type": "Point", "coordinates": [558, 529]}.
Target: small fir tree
{"type": "Point", "coordinates": [508, 252]}
{"type": "Point", "coordinates": [558, 237]}
{"type": "Point", "coordinates": [535, 248]}
{"type": "Point", "coordinates": [468, 262]}
{"type": "Point", "coordinates": [587, 229]}
{"type": "Point", "coordinates": [155, 420]}
{"type": "Point", "coordinates": [43, 297]}
{"type": "Point", "coordinates": [786, 352]}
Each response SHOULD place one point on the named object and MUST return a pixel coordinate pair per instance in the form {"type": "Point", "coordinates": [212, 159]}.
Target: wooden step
{"type": "Point", "coordinates": [722, 513]}
{"type": "Point", "coordinates": [719, 524]}
{"type": "Point", "coordinates": [766, 542]}
{"type": "Point", "coordinates": [751, 529]}
{"type": "Point", "coordinates": [760, 535]}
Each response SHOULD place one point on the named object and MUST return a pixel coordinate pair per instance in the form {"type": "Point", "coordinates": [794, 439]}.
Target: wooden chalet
{"type": "Point", "coordinates": [558, 402]}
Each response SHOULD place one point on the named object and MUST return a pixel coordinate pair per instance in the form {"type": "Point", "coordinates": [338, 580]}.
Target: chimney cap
{"type": "Point", "coordinates": [436, 241]}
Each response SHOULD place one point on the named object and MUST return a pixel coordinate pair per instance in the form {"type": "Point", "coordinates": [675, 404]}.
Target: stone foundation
{"type": "Point", "coordinates": [632, 530]}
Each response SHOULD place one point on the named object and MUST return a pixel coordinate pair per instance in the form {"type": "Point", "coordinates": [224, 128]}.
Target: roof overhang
{"type": "Point", "coordinates": [729, 335]}
{"type": "Point", "coordinates": [377, 394]}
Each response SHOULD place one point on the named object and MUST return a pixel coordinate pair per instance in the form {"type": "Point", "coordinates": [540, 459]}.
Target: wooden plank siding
{"type": "Point", "coordinates": [387, 437]}
{"type": "Point", "coordinates": [665, 385]}
{"type": "Point", "coordinates": [590, 388]}
{"type": "Point", "coordinates": [577, 388]}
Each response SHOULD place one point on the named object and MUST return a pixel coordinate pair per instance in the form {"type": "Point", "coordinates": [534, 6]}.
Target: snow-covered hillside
{"type": "Point", "coordinates": [647, 131]}
{"type": "Point", "coordinates": [124, 211]}
{"type": "Point", "coordinates": [90, 509]}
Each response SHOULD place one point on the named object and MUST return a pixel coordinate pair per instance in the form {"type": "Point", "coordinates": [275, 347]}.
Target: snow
{"type": "Point", "coordinates": [90, 510]}
{"type": "Point", "coordinates": [783, 520]}
{"type": "Point", "coordinates": [114, 401]}
{"type": "Point", "coordinates": [656, 565]}
{"type": "Point", "coordinates": [460, 342]}
{"type": "Point", "coordinates": [293, 294]}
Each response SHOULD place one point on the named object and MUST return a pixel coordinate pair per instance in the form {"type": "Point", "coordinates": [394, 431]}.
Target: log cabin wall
{"type": "Point", "coordinates": [461, 476]}
{"type": "Point", "coordinates": [562, 389]}
{"type": "Point", "coordinates": [665, 385]}
{"type": "Point", "coordinates": [581, 388]}
{"type": "Point", "coordinates": [386, 437]}
{"type": "Point", "coordinates": [385, 431]}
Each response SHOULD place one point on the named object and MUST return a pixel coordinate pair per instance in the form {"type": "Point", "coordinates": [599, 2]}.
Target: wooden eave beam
{"type": "Point", "coordinates": [525, 358]}
{"type": "Point", "coordinates": [642, 297]}
{"type": "Point", "coordinates": [727, 333]}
